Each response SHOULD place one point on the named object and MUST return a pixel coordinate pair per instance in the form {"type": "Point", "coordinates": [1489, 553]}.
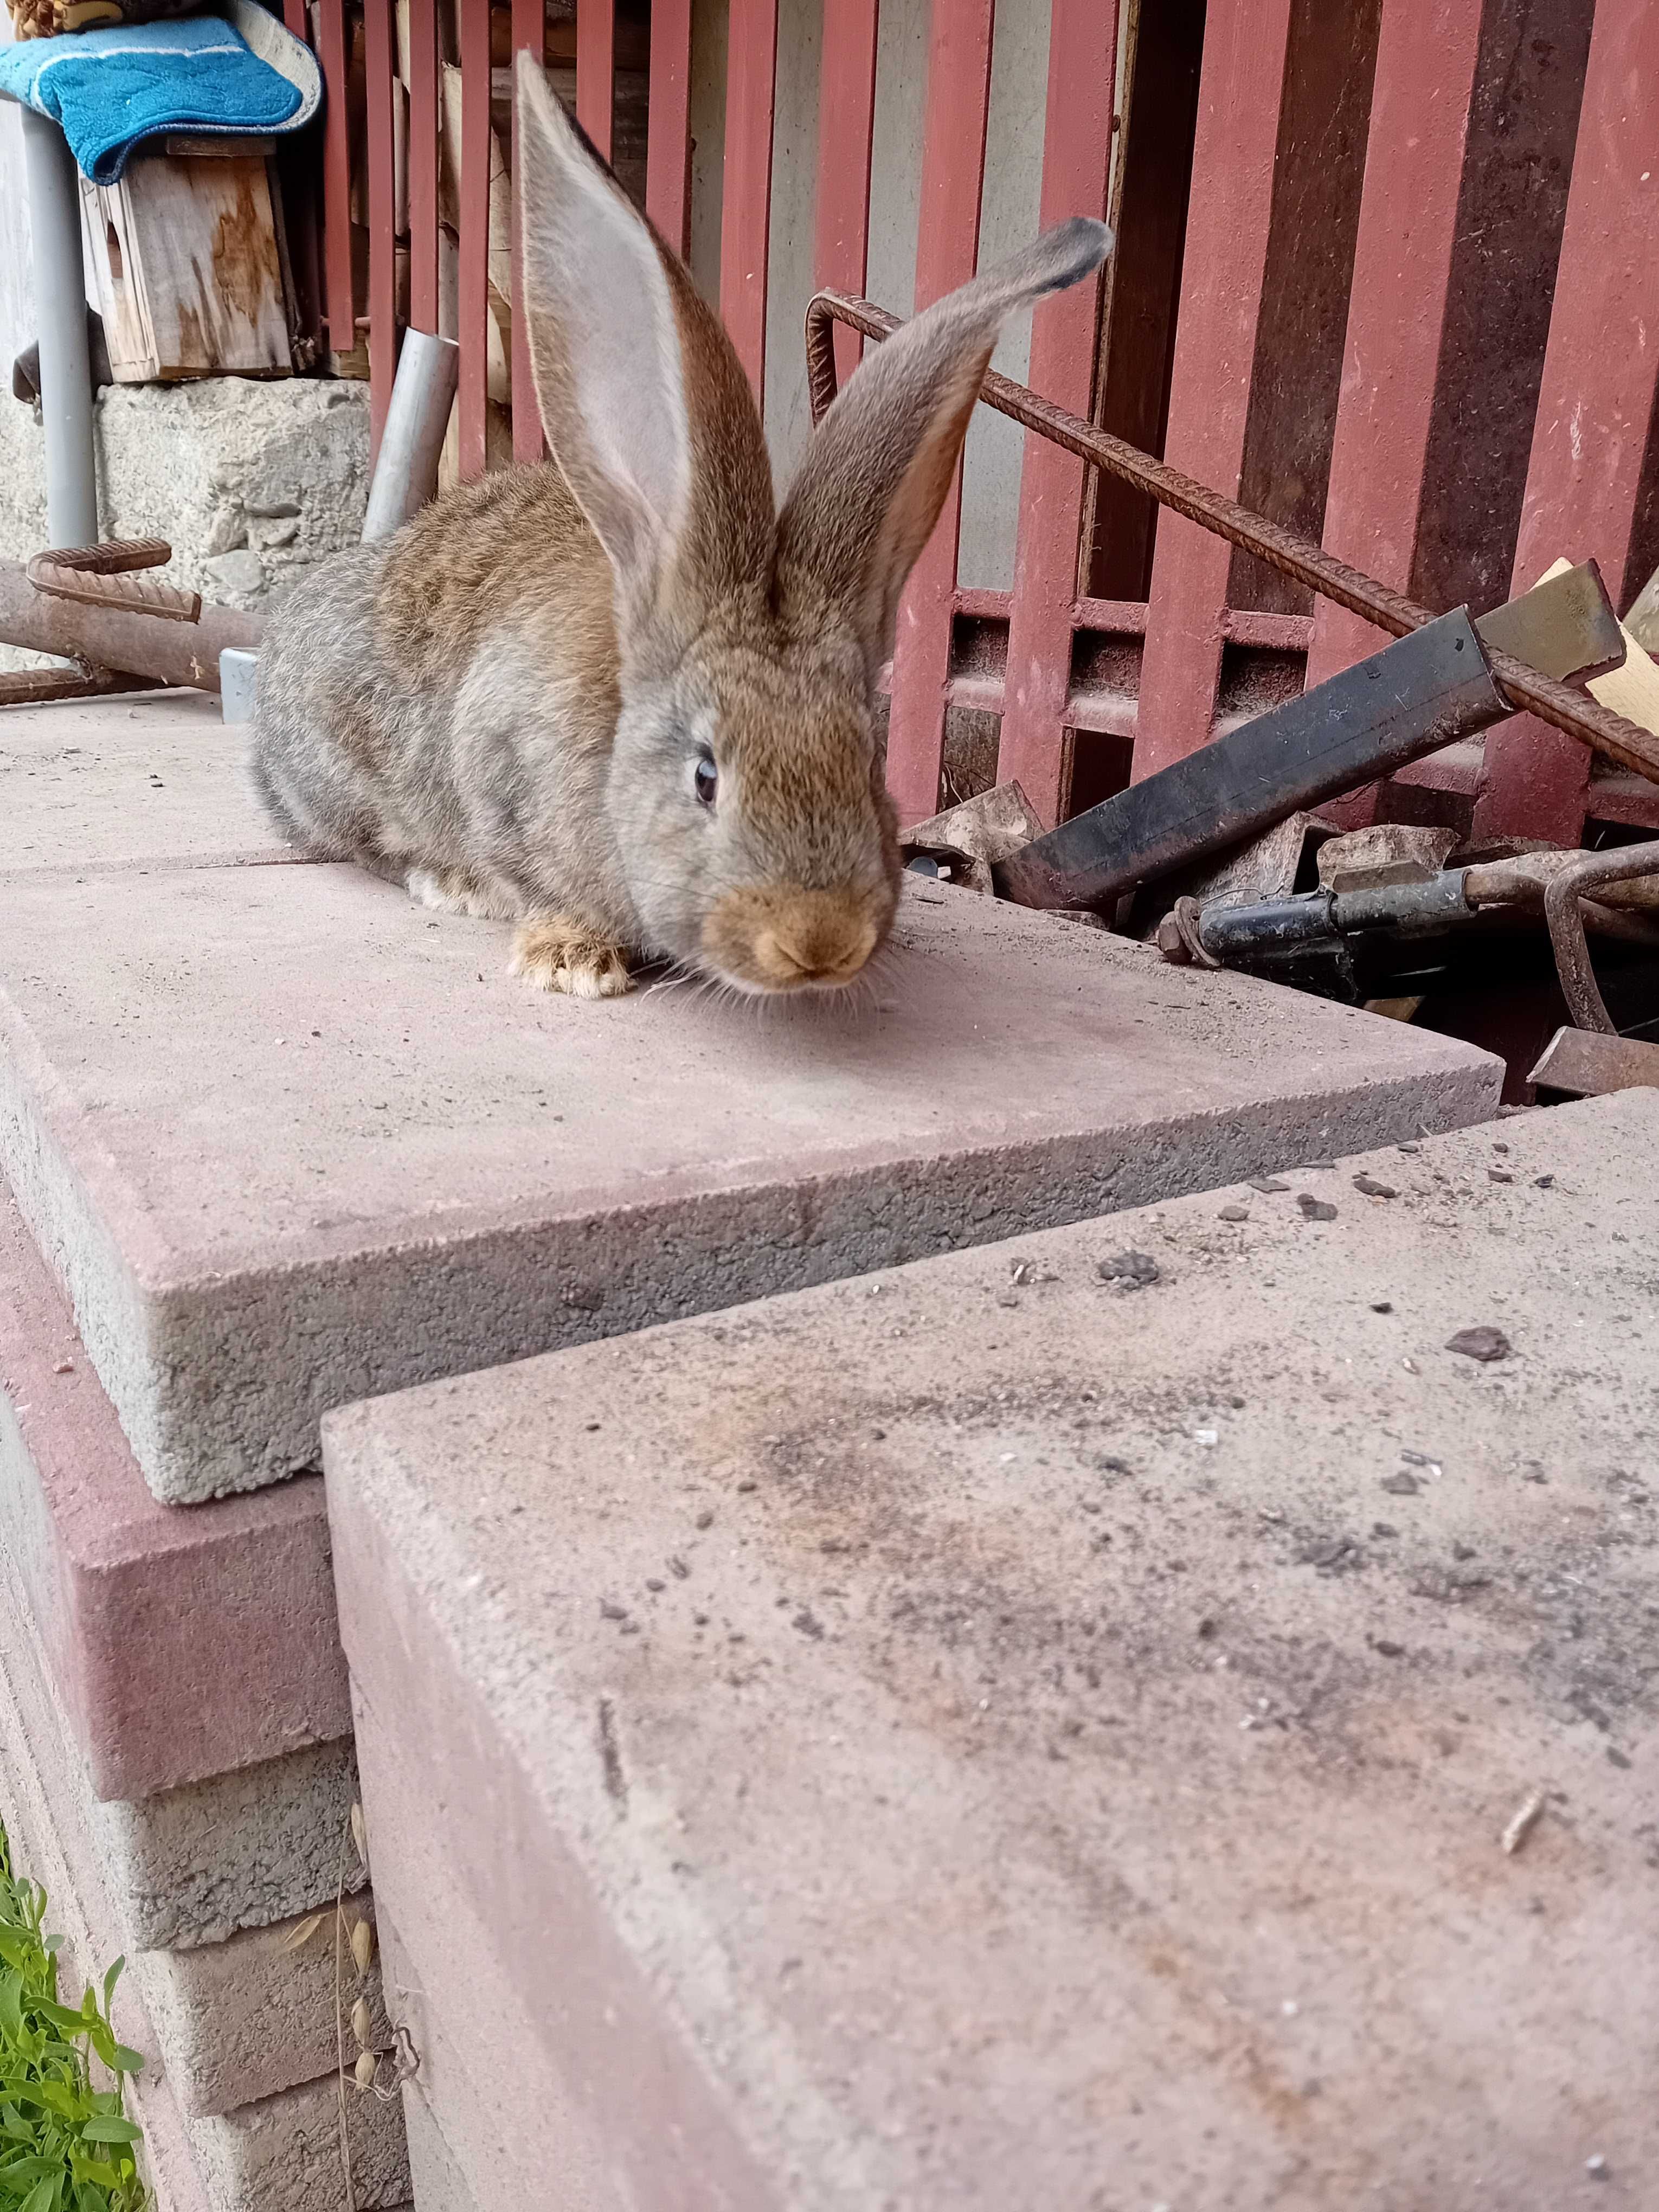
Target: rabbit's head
{"type": "Point", "coordinates": [745, 788]}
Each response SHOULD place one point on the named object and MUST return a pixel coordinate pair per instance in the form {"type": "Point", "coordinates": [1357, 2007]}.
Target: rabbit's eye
{"type": "Point", "coordinates": [705, 780]}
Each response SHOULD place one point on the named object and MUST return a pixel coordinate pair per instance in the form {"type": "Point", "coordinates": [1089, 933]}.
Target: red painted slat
{"type": "Point", "coordinates": [596, 65]}
{"type": "Point", "coordinates": [1239, 90]}
{"type": "Point", "coordinates": [947, 247]}
{"type": "Point", "coordinates": [424, 164]}
{"type": "Point", "coordinates": [1076, 147]}
{"type": "Point", "coordinates": [1426, 55]}
{"type": "Point", "coordinates": [1596, 401]}
{"type": "Point", "coordinates": [530, 36]}
{"type": "Point", "coordinates": [847, 123]}
{"type": "Point", "coordinates": [340, 310]}
{"type": "Point", "coordinates": [379, 68]}
{"type": "Point", "coordinates": [668, 135]}
{"type": "Point", "coordinates": [746, 201]}
{"type": "Point", "coordinates": [296, 18]}
{"type": "Point", "coordinates": [474, 235]}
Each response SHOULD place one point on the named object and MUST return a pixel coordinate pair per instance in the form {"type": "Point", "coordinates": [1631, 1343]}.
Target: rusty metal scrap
{"type": "Point", "coordinates": [103, 576]}
{"type": "Point", "coordinates": [122, 636]}
{"type": "Point", "coordinates": [1525, 689]}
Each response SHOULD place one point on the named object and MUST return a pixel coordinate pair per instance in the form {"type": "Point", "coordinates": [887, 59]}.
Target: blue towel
{"type": "Point", "coordinates": [111, 88]}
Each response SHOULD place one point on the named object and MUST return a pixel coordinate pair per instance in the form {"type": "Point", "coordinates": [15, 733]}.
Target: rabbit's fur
{"type": "Point", "coordinates": [617, 697]}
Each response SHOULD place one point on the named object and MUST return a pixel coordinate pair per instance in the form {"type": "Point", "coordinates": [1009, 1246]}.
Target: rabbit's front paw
{"type": "Point", "coordinates": [557, 954]}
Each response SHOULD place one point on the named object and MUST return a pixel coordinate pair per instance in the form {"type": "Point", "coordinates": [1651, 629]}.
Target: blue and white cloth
{"type": "Point", "coordinates": [110, 89]}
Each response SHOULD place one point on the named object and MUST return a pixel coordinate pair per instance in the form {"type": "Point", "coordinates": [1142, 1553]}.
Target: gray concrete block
{"type": "Point", "coordinates": [986, 1736]}
{"type": "Point", "coordinates": [284, 2155]}
{"type": "Point", "coordinates": [394, 1161]}
{"type": "Point", "coordinates": [237, 2021]}
{"type": "Point", "coordinates": [246, 1850]}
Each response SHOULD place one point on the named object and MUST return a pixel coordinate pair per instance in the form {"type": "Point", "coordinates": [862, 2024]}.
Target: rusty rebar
{"type": "Point", "coordinates": [1579, 717]}
{"type": "Point", "coordinates": [102, 576]}
{"type": "Point", "coordinates": [1562, 911]}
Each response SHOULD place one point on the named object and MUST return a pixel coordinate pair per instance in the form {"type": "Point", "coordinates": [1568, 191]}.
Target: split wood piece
{"type": "Point", "coordinates": [1585, 1063]}
{"type": "Point", "coordinates": [102, 576]}
{"type": "Point", "coordinates": [186, 267]}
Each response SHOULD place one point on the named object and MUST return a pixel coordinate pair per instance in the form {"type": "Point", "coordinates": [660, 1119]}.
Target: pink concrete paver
{"type": "Point", "coordinates": [182, 1644]}
{"type": "Point", "coordinates": [288, 1139]}
{"type": "Point", "coordinates": [981, 1737]}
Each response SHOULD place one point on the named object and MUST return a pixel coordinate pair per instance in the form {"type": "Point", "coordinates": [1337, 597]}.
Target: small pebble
{"type": "Point", "coordinates": [677, 1567]}
{"type": "Point", "coordinates": [1369, 1186]}
{"type": "Point", "coordinates": [608, 1611]}
{"type": "Point", "coordinates": [1484, 1343]}
{"type": "Point", "coordinates": [1418, 1458]}
{"type": "Point", "coordinates": [1401, 1485]}
{"type": "Point", "coordinates": [1206, 1435]}
{"type": "Point", "coordinates": [1543, 1182]}
{"type": "Point", "coordinates": [1499, 1174]}
{"type": "Point", "coordinates": [1270, 1185]}
{"type": "Point", "coordinates": [654, 1582]}
{"type": "Point", "coordinates": [63, 1367]}
{"type": "Point", "coordinates": [1382, 1305]}
{"type": "Point", "coordinates": [1386, 1650]}
{"type": "Point", "coordinates": [1597, 2165]}
{"type": "Point", "coordinates": [1234, 1213]}
{"type": "Point", "coordinates": [1411, 1148]}
{"type": "Point", "coordinates": [705, 1519]}
{"type": "Point", "coordinates": [1131, 1271]}
{"type": "Point", "coordinates": [1315, 1209]}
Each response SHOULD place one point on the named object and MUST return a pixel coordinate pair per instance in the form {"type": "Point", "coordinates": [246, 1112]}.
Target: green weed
{"type": "Point", "coordinates": [65, 2146]}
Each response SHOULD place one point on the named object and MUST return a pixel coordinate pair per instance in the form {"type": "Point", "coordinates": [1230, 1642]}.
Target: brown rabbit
{"type": "Point", "coordinates": [621, 700]}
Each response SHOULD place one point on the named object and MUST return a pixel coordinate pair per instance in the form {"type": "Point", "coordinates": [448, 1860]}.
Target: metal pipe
{"type": "Point", "coordinates": [417, 416]}
{"type": "Point", "coordinates": [60, 308]}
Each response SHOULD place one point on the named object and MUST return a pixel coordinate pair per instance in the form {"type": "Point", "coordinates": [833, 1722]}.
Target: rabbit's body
{"type": "Point", "coordinates": [621, 699]}
{"type": "Point", "coordinates": [419, 714]}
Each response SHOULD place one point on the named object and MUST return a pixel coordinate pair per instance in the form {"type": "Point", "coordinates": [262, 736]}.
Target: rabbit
{"type": "Point", "coordinates": [619, 698]}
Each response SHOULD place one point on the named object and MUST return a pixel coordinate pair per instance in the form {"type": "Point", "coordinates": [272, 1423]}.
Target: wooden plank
{"type": "Point", "coordinates": [596, 67]}
{"type": "Point", "coordinates": [947, 250]}
{"type": "Point", "coordinates": [472, 398]}
{"type": "Point", "coordinates": [847, 123]}
{"type": "Point", "coordinates": [530, 36]}
{"type": "Point", "coordinates": [1596, 405]}
{"type": "Point", "coordinates": [668, 137]}
{"type": "Point", "coordinates": [340, 311]}
{"type": "Point", "coordinates": [186, 269]}
{"type": "Point", "coordinates": [380, 70]}
{"type": "Point", "coordinates": [746, 201]}
{"type": "Point", "coordinates": [1585, 1064]}
{"type": "Point", "coordinates": [1076, 147]}
{"type": "Point", "coordinates": [423, 165]}
{"type": "Point", "coordinates": [1245, 45]}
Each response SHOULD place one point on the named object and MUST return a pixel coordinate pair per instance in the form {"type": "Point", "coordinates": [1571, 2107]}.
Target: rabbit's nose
{"type": "Point", "coordinates": [785, 938]}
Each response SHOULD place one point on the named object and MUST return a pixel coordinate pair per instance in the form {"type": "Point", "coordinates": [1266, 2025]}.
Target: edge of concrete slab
{"type": "Point", "coordinates": [183, 1644]}
{"type": "Point", "coordinates": [220, 1373]}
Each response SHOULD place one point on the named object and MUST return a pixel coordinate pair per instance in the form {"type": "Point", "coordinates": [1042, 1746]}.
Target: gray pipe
{"type": "Point", "coordinates": [60, 308]}
{"type": "Point", "coordinates": [406, 470]}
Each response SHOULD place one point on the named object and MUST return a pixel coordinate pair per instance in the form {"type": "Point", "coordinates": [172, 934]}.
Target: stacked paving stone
{"type": "Point", "coordinates": [992, 1734]}
{"type": "Point", "coordinates": [277, 1140]}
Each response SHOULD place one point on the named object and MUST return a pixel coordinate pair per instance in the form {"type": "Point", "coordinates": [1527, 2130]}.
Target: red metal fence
{"type": "Point", "coordinates": [1389, 270]}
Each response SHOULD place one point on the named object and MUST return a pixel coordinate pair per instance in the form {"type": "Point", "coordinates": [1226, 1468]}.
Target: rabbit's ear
{"type": "Point", "coordinates": [879, 464]}
{"type": "Point", "coordinates": [639, 388]}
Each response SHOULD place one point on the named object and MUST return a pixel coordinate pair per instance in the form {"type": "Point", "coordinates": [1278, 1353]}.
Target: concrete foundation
{"type": "Point", "coordinates": [250, 483]}
{"type": "Point", "coordinates": [1151, 1712]}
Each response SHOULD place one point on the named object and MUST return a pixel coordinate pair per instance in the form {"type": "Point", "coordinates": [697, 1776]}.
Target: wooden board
{"type": "Point", "coordinates": [184, 257]}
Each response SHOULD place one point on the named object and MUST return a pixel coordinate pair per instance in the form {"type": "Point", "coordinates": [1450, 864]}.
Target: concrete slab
{"type": "Point", "coordinates": [284, 2155]}
{"type": "Point", "coordinates": [237, 2021]}
{"type": "Point", "coordinates": [129, 780]}
{"type": "Point", "coordinates": [182, 1645]}
{"type": "Point", "coordinates": [229, 2021]}
{"type": "Point", "coordinates": [982, 1735]}
{"type": "Point", "coordinates": [288, 1139]}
